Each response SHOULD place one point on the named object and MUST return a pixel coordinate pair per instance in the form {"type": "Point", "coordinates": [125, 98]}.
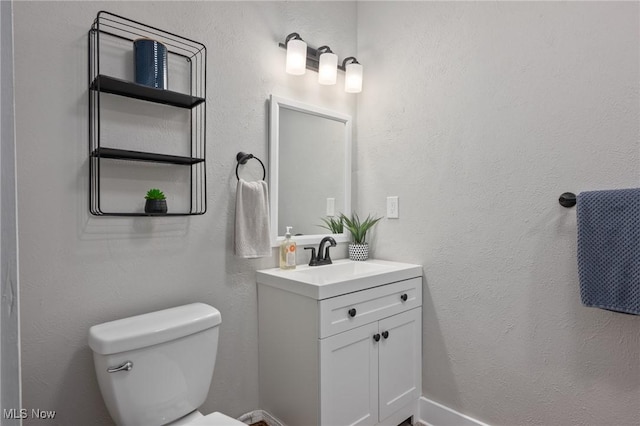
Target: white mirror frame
{"type": "Point", "coordinates": [278, 103]}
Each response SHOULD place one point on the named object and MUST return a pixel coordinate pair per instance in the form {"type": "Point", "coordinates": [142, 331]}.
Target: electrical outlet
{"type": "Point", "coordinates": [331, 206]}
{"type": "Point", "coordinates": [392, 208]}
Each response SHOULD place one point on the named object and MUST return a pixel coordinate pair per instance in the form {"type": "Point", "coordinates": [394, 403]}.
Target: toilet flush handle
{"type": "Point", "coordinates": [127, 366]}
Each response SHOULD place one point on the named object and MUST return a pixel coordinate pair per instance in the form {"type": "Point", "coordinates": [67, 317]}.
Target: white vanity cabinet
{"type": "Point", "coordinates": [350, 359]}
{"type": "Point", "coordinates": [364, 381]}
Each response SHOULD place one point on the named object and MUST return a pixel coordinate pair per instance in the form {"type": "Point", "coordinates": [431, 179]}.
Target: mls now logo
{"type": "Point", "coordinates": [23, 413]}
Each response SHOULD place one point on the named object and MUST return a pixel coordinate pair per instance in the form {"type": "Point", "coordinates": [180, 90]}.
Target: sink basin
{"type": "Point", "coordinates": [326, 274]}
{"type": "Point", "coordinates": [341, 277]}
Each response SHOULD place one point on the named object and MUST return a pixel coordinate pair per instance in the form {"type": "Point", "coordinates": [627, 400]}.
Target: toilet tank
{"type": "Point", "coordinates": [172, 354]}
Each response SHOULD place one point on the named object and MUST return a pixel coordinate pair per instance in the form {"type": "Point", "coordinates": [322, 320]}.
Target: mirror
{"type": "Point", "coordinates": [309, 169]}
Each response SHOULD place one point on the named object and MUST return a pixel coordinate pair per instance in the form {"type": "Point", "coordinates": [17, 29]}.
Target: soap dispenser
{"type": "Point", "coordinates": [288, 251]}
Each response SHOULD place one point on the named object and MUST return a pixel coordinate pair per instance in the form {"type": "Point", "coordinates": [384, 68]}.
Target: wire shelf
{"type": "Point", "coordinates": [113, 29]}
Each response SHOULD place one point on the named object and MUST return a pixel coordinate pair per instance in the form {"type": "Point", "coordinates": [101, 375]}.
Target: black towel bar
{"type": "Point", "coordinates": [568, 199]}
{"type": "Point", "coordinates": [243, 157]}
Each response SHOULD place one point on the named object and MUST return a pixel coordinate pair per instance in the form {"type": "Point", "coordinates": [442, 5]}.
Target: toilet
{"type": "Point", "coordinates": [155, 369]}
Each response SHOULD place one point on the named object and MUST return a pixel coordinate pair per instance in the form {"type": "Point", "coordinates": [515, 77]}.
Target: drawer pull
{"type": "Point", "coordinates": [352, 312]}
{"type": "Point", "coordinates": [385, 334]}
{"type": "Point", "coordinates": [404, 297]}
{"type": "Point", "coordinates": [376, 337]}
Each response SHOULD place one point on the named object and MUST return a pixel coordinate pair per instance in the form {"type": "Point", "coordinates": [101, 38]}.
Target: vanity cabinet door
{"type": "Point", "coordinates": [349, 378]}
{"type": "Point", "coordinates": [399, 353]}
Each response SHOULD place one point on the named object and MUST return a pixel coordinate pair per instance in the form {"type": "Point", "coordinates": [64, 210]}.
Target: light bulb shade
{"type": "Point", "coordinates": [296, 57]}
{"type": "Point", "coordinates": [328, 68]}
{"type": "Point", "coordinates": [353, 78]}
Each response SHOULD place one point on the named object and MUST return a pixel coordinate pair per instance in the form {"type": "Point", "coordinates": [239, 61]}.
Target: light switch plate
{"type": "Point", "coordinates": [392, 208]}
{"type": "Point", "coordinates": [331, 206]}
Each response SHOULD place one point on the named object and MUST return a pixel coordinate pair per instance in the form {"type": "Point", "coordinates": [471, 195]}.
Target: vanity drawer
{"type": "Point", "coordinates": [352, 310]}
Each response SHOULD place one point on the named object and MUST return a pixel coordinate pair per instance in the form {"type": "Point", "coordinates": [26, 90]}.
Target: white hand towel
{"type": "Point", "coordinates": [252, 236]}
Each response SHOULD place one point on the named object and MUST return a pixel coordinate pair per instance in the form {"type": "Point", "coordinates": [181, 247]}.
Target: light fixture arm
{"type": "Point", "coordinates": [351, 60]}
{"type": "Point", "coordinates": [292, 36]}
{"type": "Point", "coordinates": [323, 49]}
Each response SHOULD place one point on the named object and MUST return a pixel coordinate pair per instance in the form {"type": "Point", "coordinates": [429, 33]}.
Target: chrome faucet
{"type": "Point", "coordinates": [320, 259]}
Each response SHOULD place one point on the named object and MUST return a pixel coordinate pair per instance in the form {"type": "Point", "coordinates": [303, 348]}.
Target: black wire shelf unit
{"type": "Point", "coordinates": [111, 27]}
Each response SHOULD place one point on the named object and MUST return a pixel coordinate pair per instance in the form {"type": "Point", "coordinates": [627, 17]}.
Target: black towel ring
{"type": "Point", "coordinates": [243, 157]}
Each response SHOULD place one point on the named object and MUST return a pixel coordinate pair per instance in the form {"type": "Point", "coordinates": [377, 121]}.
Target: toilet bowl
{"type": "Point", "coordinates": [155, 369]}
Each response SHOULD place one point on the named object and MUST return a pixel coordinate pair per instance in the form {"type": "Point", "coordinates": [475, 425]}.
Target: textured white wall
{"type": "Point", "coordinates": [78, 270]}
{"type": "Point", "coordinates": [478, 115]}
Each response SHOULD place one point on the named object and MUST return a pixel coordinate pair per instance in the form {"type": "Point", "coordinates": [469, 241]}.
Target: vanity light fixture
{"type": "Point", "coordinates": [328, 66]}
{"type": "Point", "coordinates": [296, 54]}
{"type": "Point", "coordinates": [322, 60]}
{"type": "Point", "coordinates": [353, 75]}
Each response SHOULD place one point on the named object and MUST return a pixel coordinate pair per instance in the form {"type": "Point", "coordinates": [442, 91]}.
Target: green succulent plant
{"type": "Point", "coordinates": [333, 224]}
{"type": "Point", "coordinates": [358, 228]}
{"type": "Point", "coordinates": [155, 194]}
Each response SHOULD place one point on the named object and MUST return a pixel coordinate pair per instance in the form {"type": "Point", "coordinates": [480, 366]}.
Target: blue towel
{"type": "Point", "coordinates": [609, 249]}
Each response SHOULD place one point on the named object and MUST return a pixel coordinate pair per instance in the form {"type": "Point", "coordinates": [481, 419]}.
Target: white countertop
{"type": "Point", "coordinates": [341, 277]}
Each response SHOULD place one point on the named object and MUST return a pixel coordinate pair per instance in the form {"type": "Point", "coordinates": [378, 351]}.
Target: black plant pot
{"type": "Point", "coordinates": [155, 207]}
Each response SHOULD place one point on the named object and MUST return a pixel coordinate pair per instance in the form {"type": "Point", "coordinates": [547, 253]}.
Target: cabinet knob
{"type": "Point", "coordinates": [385, 334]}
{"type": "Point", "coordinates": [352, 312]}
{"type": "Point", "coordinates": [404, 297]}
{"type": "Point", "coordinates": [376, 337]}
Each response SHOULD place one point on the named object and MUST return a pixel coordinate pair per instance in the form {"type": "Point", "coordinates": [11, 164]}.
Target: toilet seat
{"type": "Point", "coordinates": [216, 419]}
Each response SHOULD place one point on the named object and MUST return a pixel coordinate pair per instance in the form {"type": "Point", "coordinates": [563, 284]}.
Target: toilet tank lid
{"type": "Point", "coordinates": [153, 328]}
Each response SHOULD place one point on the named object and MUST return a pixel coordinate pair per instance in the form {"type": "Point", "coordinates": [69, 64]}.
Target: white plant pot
{"type": "Point", "coordinates": [358, 251]}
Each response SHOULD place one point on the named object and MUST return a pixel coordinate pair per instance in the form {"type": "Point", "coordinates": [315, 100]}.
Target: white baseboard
{"type": "Point", "coordinates": [435, 414]}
